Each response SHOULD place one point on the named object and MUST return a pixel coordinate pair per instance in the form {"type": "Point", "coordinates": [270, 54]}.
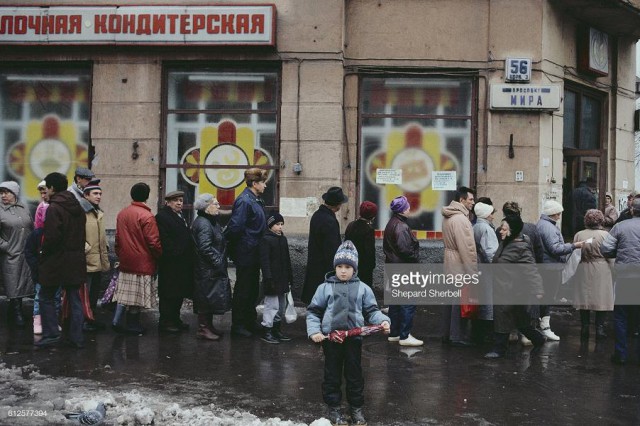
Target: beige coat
{"type": "Point", "coordinates": [459, 244]}
{"type": "Point", "coordinates": [96, 248]}
{"type": "Point", "coordinates": [593, 283]}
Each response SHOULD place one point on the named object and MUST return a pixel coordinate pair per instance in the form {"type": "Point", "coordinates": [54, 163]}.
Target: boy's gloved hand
{"type": "Point", "coordinates": [386, 327]}
{"type": "Point", "coordinates": [318, 337]}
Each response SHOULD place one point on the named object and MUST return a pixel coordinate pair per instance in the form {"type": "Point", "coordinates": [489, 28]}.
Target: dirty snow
{"type": "Point", "coordinates": [28, 392]}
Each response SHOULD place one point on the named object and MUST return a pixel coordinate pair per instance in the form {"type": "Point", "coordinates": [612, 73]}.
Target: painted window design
{"type": "Point", "coordinates": [44, 125]}
{"type": "Point", "coordinates": [219, 123]}
{"type": "Point", "coordinates": [417, 125]}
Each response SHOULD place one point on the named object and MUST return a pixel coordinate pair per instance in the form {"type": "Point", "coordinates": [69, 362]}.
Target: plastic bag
{"type": "Point", "coordinates": [571, 266]}
{"type": "Point", "coordinates": [108, 293]}
{"type": "Point", "coordinates": [290, 314]}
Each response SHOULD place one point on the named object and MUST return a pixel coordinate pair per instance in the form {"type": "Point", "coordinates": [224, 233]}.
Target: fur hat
{"type": "Point", "coordinates": [483, 210]}
{"type": "Point", "coordinates": [399, 204]}
{"type": "Point", "coordinates": [273, 219]}
{"type": "Point", "coordinates": [347, 254]}
{"type": "Point", "coordinates": [552, 207]}
{"type": "Point", "coordinates": [368, 210]}
{"type": "Point", "coordinates": [12, 187]}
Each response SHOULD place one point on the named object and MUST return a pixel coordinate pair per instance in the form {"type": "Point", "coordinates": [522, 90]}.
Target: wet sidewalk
{"type": "Point", "coordinates": [563, 383]}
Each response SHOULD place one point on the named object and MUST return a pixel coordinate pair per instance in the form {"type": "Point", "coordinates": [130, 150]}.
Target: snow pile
{"type": "Point", "coordinates": [24, 388]}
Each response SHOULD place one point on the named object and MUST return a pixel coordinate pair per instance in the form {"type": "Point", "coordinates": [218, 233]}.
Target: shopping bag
{"type": "Point", "coordinates": [290, 314]}
{"type": "Point", "coordinates": [571, 266]}
{"type": "Point", "coordinates": [84, 300]}
{"type": "Point", "coordinates": [111, 289]}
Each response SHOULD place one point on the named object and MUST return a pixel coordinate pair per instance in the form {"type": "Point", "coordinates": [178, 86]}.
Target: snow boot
{"type": "Point", "coordinates": [545, 328]}
{"type": "Point", "coordinates": [335, 417]}
{"type": "Point", "coordinates": [277, 334]}
{"type": "Point", "coordinates": [357, 418]}
{"type": "Point", "coordinates": [267, 336]}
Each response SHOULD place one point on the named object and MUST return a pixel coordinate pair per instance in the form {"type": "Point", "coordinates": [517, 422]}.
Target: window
{"type": "Point", "coordinates": [417, 125]}
{"type": "Point", "coordinates": [582, 120]}
{"type": "Point", "coordinates": [44, 124]}
{"type": "Point", "coordinates": [220, 123]}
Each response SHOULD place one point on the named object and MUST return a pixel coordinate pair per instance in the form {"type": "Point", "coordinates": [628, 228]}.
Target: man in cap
{"type": "Point", "coordinates": [81, 178]}
{"type": "Point", "coordinates": [175, 269]}
{"type": "Point", "coordinates": [324, 240]}
{"type": "Point", "coordinates": [244, 232]}
{"type": "Point", "coordinates": [96, 250]}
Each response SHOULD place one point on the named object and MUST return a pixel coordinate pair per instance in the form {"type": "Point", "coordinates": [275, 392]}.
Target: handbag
{"type": "Point", "coordinates": [290, 314]}
{"type": "Point", "coordinates": [111, 289]}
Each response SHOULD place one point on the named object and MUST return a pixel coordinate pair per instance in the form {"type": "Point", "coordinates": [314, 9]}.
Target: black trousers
{"type": "Point", "coordinates": [169, 308]}
{"type": "Point", "coordinates": [343, 358]}
{"type": "Point", "coordinates": [245, 296]}
{"type": "Point", "coordinates": [94, 281]}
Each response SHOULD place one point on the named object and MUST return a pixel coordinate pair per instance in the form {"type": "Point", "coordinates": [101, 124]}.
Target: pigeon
{"type": "Point", "coordinates": [90, 417]}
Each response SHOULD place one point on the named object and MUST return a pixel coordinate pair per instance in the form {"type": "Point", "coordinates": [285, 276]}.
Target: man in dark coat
{"type": "Point", "coordinates": [584, 198]}
{"type": "Point", "coordinates": [361, 233]}
{"type": "Point", "coordinates": [175, 269]}
{"type": "Point", "coordinates": [62, 261]}
{"type": "Point", "coordinates": [626, 213]}
{"type": "Point", "coordinates": [324, 240]}
{"type": "Point", "coordinates": [243, 233]}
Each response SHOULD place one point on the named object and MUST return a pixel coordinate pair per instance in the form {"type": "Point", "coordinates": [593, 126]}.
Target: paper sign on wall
{"type": "Point", "coordinates": [444, 181]}
{"type": "Point", "coordinates": [293, 207]}
{"type": "Point", "coordinates": [389, 176]}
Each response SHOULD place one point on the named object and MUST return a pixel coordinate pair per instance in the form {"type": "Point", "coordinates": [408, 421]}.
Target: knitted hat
{"type": "Point", "coordinates": [368, 210]}
{"type": "Point", "coordinates": [94, 184]}
{"type": "Point", "coordinates": [515, 225]}
{"type": "Point", "coordinates": [12, 187]}
{"type": "Point", "coordinates": [399, 204]}
{"type": "Point", "coordinates": [42, 185]}
{"type": "Point", "coordinates": [552, 207]}
{"type": "Point", "coordinates": [274, 218]}
{"type": "Point", "coordinates": [140, 192]}
{"type": "Point", "coordinates": [347, 254]}
{"type": "Point", "coordinates": [483, 210]}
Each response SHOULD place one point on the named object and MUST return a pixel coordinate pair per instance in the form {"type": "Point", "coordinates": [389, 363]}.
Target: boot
{"type": "Point", "coordinates": [601, 333]}
{"type": "Point", "coordinates": [584, 333]}
{"type": "Point", "coordinates": [545, 328]}
{"type": "Point", "coordinates": [335, 417]}
{"type": "Point", "coordinates": [15, 313]}
{"type": "Point", "coordinates": [357, 418]}
{"type": "Point", "coordinates": [277, 334]}
{"type": "Point", "coordinates": [204, 330]}
{"type": "Point", "coordinates": [118, 324]}
{"type": "Point", "coordinates": [133, 323]}
{"type": "Point", "coordinates": [267, 336]}
{"type": "Point", "coordinates": [537, 338]}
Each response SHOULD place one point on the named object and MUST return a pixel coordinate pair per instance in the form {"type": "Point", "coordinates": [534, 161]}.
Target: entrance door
{"type": "Point", "coordinates": [581, 190]}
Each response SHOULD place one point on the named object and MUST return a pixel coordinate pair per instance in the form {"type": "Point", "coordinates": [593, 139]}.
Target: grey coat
{"type": "Point", "coordinates": [555, 249]}
{"type": "Point", "coordinates": [623, 242]}
{"type": "Point", "coordinates": [15, 226]}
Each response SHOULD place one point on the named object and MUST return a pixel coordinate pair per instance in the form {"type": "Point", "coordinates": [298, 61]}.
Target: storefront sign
{"type": "Point", "coordinates": [389, 176]}
{"type": "Point", "coordinates": [444, 181]}
{"type": "Point", "coordinates": [213, 25]}
{"type": "Point", "coordinates": [529, 96]}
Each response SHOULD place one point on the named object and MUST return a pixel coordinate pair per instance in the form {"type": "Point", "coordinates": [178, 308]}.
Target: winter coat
{"type": "Point", "coordinates": [531, 231]}
{"type": "Point", "coordinates": [277, 274]}
{"type": "Point", "coordinates": [95, 247]}
{"type": "Point", "coordinates": [623, 242]}
{"type": "Point", "coordinates": [342, 305]}
{"type": "Point", "coordinates": [583, 200]}
{"type": "Point", "coordinates": [76, 191]}
{"type": "Point", "coordinates": [522, 283]}
{"type": "Point", "coordinates": [32, 252]}
{"type": "Point", "coordinates": [624, 215]}
{"type": "Point", "coordinates": [138, 244]}
{"type": "Point", "coordinates": [399, 244]}
{"type": "Point", "coordinates": [459, 244]}
{"type": "Point", "coordinates": [324, 240]}
{"type": "Point", "coordinates": [610, 216]}
{"type": "Point", "coordinates": [175, 267]}
{"type": "Point", "coordinates": [487, 243]}
{"type": "Point", "coordinates": [555, 249]}
{"type": "Point", "coordinates": [362, 235]}
{"type": "Point", "coordinates": [245, 229]}
{"type": "Point", "coordinates": [593, 282]}
{"type": "Point", "coordinates": [62, 259]}
{"type": "Point", "coordinates": [212, 289]}
{"type": "Point", "coordinates": [15, 226]}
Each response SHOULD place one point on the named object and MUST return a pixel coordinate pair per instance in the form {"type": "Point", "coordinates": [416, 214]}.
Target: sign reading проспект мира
{"type": "Point", "coordinates": [215, 25]}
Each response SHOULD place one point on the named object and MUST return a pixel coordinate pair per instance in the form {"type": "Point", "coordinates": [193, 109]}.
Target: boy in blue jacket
{"type": "Point", "coordinates": [343, 302]}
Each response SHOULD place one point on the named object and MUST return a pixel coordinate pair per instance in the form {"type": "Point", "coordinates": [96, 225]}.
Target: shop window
{"type": "Point", "coordinates": [417, 125]}
{"type": "Point", "coordinates": [44, 124]}
{"type": "Point", "coordinates": [219, 123]}
{"type": "Point", "coordinates": [582, 120]}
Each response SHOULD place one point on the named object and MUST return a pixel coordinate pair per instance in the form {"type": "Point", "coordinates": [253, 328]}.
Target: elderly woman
{"type": "Point", "coordinates": [593, 290]}
{"type": "Point", "coordinates": [212, 290]}
{"type": "Point", "coordinates": [15, 226]}
{"type": "Point", "coordinates": [610, 212]}
{"type": "Point", "coordinates": [513, 288]}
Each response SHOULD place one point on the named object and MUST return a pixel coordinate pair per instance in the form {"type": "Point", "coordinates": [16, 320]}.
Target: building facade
{"type": "Point", "coordinates": [520, 99]}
